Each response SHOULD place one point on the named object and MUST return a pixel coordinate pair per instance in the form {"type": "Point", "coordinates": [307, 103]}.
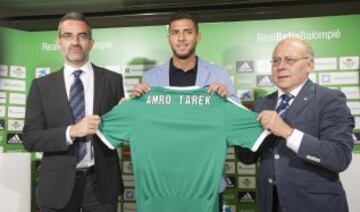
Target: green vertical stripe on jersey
{"type": "Point", "coordinates": [178, 141]}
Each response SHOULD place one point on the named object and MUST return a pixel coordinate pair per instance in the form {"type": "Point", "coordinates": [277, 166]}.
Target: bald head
{"type": "Point", "coordinates": [305, 48]}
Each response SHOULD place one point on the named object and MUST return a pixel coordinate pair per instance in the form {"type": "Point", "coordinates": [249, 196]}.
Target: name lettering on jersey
{"type": "Point", "coordinates": [194, 100]}
{"type": "Point", "coordinates": [183, 100]}
{"type": "Point", "coordinates": [158, 100]}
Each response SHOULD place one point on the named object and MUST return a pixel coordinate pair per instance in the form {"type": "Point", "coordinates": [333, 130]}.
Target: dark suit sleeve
{"type": "Point", "coordinates": [245, 155]}
{"type": "Point", "coordinates": [119, 87]}
{"type": "Point", "coordinates": [332, 149]}
{"type": "Point", "coordinates": [37, 138]}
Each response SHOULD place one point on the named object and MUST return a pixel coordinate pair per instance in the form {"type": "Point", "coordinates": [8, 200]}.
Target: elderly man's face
{"type": "Point", "coordinates": [291, 64]}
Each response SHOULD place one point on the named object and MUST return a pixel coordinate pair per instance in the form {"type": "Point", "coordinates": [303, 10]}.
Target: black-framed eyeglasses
{"type": "Point", "coordinates": [276, 61]}
{"type": "Point", "coordinates": [71, 36]}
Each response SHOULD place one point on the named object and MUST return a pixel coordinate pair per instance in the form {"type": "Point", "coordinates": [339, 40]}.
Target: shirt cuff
{"type": "Point", "coordinates": [69, 141]}
{"type": "Point", "coordinates": [294, 140]}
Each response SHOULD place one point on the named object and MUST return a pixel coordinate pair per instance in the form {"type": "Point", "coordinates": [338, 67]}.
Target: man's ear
{"type": "Point", "coordinates": [57, 41]}
{"type": "Point", "coordinates": [198, 38]}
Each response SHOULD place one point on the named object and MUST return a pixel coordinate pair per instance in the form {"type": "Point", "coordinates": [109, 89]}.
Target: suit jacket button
{"type": "Point", "coordinates": [270, 180]}
{"type": "Point", "coordinates": [276, 156]}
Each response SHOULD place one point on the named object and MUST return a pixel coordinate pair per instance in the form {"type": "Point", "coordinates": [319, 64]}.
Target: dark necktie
{"type": "Point", "coordinates": [284, 104]}
{"type": "Point", "coordinates": [77, 103]}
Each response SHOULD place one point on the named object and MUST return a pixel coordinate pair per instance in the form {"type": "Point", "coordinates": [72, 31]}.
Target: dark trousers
{"type": "Point", "coordinates": [221, 202]}
{"type": "Point", "coordinates": [276, 205]}
{"type": "Point", "coordinates": [84, 197]}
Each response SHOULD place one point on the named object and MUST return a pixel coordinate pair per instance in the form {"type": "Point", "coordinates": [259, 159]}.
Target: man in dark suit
{"type": "Point", "coordinates": [62, 114]}
{"type": "Point", "coordinates": [311, 138]}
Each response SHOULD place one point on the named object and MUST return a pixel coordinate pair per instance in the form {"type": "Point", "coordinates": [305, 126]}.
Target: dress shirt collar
{"type": "Point", "coordinates": [69, 70]}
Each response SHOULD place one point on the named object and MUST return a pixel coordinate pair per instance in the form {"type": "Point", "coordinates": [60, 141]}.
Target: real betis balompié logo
{"type": "Point", "coordinates": [349, 63]}
{"type": "Point", "coordinates": [15, 125]}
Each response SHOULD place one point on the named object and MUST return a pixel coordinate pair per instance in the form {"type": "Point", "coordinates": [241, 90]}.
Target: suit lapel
{"type": "Point", "coordinates": [60, 90]}
{"type": "Point", "coordinates": [305, 96]}
{"type": "Point", "coordinates": [270, 103]}
{"type": "Point", "coordinates": [203, 74]}
{"type": "Point", "coordinates": [98, 89]}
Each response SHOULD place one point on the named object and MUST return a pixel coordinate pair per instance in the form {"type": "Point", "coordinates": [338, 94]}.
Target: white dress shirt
{"type": "Point", "coordinates": [87, 78]}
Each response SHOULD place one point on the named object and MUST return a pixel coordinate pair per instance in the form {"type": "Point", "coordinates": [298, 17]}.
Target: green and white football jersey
{"type": "Point", "coordinates": [178, 139]}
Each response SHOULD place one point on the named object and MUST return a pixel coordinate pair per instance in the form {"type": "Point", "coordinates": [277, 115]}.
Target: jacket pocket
{"type": "Point", "coordinates": [324, 188]}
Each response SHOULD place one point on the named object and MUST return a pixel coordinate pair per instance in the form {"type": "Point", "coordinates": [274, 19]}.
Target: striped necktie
{"type": "Point", "coordinates": [77, 103]}
{"type": "Point", "coordinates": [284, 104]}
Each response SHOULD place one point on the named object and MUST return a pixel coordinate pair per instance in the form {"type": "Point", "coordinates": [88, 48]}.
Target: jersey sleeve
{"type": "Point", "coordinates": [116, 125]}
{"type": "Point", "coordinates": [242, 128]}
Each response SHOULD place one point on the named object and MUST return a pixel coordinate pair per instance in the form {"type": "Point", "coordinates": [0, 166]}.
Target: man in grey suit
{"type": "Point", "coordinates": [311, 140]}
{"type": "Point", "coordinates": [77, 172]}
{"type": "Point", "coordinates": [185, 68]}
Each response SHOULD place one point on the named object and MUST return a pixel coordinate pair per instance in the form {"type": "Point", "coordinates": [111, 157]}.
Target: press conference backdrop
{"type": "Point", "coordinates": [243, 48]}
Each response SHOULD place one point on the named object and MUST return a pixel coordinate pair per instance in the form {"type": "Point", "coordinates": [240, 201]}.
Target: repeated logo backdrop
{"type": "Point", "coordinates": [243, 48]}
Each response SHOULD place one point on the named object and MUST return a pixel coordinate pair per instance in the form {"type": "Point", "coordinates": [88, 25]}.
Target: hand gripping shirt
{"type": "Point", "coordinates": [178, 140]}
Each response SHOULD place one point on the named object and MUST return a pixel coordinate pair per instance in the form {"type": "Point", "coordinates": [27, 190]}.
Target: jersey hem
{"type": "Point", "coordinates": [259, 140]}
{"type": "Point", "coordinates": [104, 140]}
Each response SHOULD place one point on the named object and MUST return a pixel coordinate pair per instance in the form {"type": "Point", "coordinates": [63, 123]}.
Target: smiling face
{"type": "Point", "coordinates": [292, 63]}
{"type": "Point", "coordinates": [75, 42]}
{"type": "Point", "coordinates": [183, 38]}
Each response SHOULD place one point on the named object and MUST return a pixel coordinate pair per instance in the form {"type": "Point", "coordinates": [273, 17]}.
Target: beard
{"type": "Point", "coordinates": [75, 53]}
{"type": "Point", "coordinates": [186, 55]}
